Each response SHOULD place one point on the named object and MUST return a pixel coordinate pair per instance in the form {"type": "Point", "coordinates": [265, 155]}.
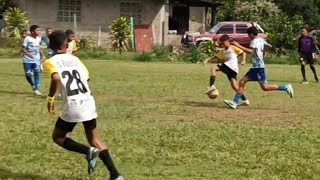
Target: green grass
{"type": "Point", "coordinates": [159, 125]}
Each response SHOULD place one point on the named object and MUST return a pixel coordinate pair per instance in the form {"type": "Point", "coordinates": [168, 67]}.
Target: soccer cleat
{"type": "Point", "coordinates": [245, 103]}
{"type": "Point", "coordinates": [117, 178]}
{"type": "Point", "coordinates": [290, 90]}
{"type": "Point", "coordinates": [37, 92]}
{"type": "Point", "coordinates": [304, 82]}
{"type": "Point", "coordinates": [231, 104]}
{"type": "Point", "coordinates": [212, 88]}
{"type": "Point", "coordinates": [92, 156]}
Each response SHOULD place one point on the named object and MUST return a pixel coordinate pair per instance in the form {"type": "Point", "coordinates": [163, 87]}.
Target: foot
{"type": "Point", "coordinates": [212, 88]}
{"type": "Point", "coordinates": [92, 156]}
{"type": "Point", "coordinates": [116, 178]}
{"type": "Point", "coordinates": [37, 92]}
{"type": "Point", "coordinates": [245, 103]}
{"type": "Point", "coordinates": [304, 82]}
{"type": "Point", "coordinates": [231, 104]}
{"type": "Point", "coordinates": [290, 90]}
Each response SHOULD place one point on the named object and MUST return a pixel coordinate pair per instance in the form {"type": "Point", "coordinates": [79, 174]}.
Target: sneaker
{"type": "Point", "coordinates": [212, 88]}
{"type": "Point", "coordinates": [37, 92]}
{"type": "Point", "coordinates": [304, 82]}
{"type": "Point", "coordinates": [92, 156]}
{"type": "Point", "coordinates": [231, 104]}
{"type": "Point", "coordinates": [117, 178]}
{"type": "Point", "coordinates": [245, 103]}
{"type": "Point", "coordinates": [290, 90]}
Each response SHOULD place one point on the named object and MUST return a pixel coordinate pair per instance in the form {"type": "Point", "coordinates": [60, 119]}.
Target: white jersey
{"type": "Point", "coordinates": [230, 56]}
{"type": "Point", "coordinates": [79, 105]}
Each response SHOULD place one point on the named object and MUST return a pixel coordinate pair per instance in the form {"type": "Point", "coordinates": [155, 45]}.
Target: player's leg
{"type": "Point", "coordinates": [303, 70]}
{"type": "Point", "coordinates": [28, 73]}
{"type": "Point", "coordinates": [95, 141]}
{"type": "Point", "coordinates": [214, 73]}
{"type": "Point", "coordinates": [272, 87]}
{"type": "Point", "coordinates": [235, 87]}
{"type": "Point", "coordinates": [313, 69]}
{"type": "Point", "coordinates": [239, 94]}
{"type": "Point", "coordinates": [37, 71]}
{"type": "Point", "coordinates": [59, 136]}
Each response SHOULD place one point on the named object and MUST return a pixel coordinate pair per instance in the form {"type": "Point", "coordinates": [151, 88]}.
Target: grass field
{"type": "Point", "coordinates": [159, 125]}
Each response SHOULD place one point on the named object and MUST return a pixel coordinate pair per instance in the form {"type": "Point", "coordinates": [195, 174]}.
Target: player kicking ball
{"type": "Point", "coordinates": [229, 54]}
{"type": "Point", "coordinates": [69, 74]}
{"type": "Point", "coordinates": [257, 72]}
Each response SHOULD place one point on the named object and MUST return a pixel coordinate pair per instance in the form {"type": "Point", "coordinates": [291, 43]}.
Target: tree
{"type": "Point", "coordinates": [120, 32]}
{"type": "Point", "coordinates": [308, 9]}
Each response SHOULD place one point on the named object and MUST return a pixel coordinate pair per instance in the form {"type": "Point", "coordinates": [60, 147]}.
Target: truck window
{"type": "Point", "coordinates": [226, 29]}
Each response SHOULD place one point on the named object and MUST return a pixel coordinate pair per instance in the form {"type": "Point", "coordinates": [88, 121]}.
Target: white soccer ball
{"type": "Point", "coordinates": [213, 94]}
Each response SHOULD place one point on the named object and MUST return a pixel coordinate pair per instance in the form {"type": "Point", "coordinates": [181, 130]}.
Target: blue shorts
{"type": "Point", "coordinates": [257, 74]}
{"type": "Point", "coordinates": [30, 68]}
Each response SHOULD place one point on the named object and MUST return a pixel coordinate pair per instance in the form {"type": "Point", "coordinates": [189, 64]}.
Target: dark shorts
{"type": "Point", "coordinates": [257, 74]}
{"type": "Point", "coordinates": [307, 58]}
{"type": "Point", "coordinates": [231, 74]}
{"type": "Point", "coordinates": [69, 126]}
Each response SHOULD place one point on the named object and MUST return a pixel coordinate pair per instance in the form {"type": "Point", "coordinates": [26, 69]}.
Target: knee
{"type": "Point", "coordinates": [28, 74]}
{"type": "Point", "coordinates": [58, 140]}
{"type": "Point", "coordinates": [264, 88]}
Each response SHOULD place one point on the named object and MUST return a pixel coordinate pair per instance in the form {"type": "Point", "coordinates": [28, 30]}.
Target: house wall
{"type": "Point", "coordinates": [95, 13]}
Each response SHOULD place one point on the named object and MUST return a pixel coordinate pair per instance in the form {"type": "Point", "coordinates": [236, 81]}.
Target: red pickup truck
{"type": "Point", "coordinates": [236, 30]}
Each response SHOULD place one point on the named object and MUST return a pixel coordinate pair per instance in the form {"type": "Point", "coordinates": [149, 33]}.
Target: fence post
{"type": "Point", "coordinates": [75, 28]}
{"type": "Point", "coordinates": [133, 43]}
{"type": "Point", "coordinates": [99, 36]}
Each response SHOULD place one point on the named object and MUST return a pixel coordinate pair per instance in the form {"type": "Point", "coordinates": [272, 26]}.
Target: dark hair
{"type": "Point", "coordinates": [224, 38]}
{"type": "Point", "coordinates": [48, 28]}
{"type": "Point", "coordinates": [57, 39]}
{"type": "Point", "coordinates": [24, 31]}
{"type": "Point", "coordinates": [306, 28]}
{"type": "Point", "coordinates": [69, 32]}
{"type": "Point", "coordinates": [252, 30]}
{"type": "Point", "coordinates": [33, 28]}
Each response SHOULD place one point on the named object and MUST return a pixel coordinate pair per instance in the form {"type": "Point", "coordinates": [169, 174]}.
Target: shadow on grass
{"type": "Point", "coordinates": [205, 104]}
{"type": "Point", "coordinates": [6, 174]}
{"type": "Point", "coordinates": [15, 92]}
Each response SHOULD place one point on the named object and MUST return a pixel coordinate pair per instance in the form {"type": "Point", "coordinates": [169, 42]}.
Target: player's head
{"type": "Point", "coordinates": [224, 41]}
{"type": "Point", "coordinates": [34, 30]}
{"type": "Point", "coordinates": [24, 33]}
{"type": "Point", "coordinates": [71, 35]}
{"type": "Point", "coordinates": [304, 31]}
{"type": "Point", "coordinates": [252, 32]}
{"type": "Point", "coordinates": [48, 31]}
{"type": "Point", "coordinates": [58, 41]}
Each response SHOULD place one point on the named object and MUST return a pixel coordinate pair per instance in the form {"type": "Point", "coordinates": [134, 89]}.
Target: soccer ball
{"type": "Point", "coordinates": [213, 94]}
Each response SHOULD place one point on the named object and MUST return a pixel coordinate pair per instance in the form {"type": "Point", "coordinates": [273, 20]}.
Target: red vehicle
{"type": "Point", "coordinates": [236, 30]}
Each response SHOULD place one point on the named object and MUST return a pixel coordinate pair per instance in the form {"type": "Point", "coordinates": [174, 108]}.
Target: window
{"type": "Point", "coordinates": [241, 29]}
{"type": "Point", "coordinates": [131, 9]}
{"type": "Point", "coordinates": [226, 29]}
{"type": "Point", "coordinates": [67, 10]}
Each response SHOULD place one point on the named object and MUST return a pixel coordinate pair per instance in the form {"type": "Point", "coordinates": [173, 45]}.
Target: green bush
{"type": "Point", "coordinates": [10, 53]}
{"type": "Point", "coordinates": [120, 32]}
{"type": "Point", "coordinates": [208, 47]}
{"type": "Point", "coordinates": [102, 54]}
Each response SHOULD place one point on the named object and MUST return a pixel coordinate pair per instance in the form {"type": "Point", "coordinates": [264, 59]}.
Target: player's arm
{"type": "Point", "coordinates": [50, 69]}
{"type": "Point", "coordinates": [24, 48]}
{"type": "Point", "coordinates": [266, 44]}
{"type": "Point", "coordinates": [240, 52]}
{"type": "Point", "coordinates": [247, 50]}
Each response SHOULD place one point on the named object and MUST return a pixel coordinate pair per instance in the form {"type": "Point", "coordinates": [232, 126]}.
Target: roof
{"type": "Point", "coordinates": [198, 2]}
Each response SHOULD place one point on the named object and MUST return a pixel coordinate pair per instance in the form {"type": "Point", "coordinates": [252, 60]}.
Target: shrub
{"type": "Point", "coordinates": [120, 32]}
{"type": "Point", "coordinates": [208, 47]}
{"type": "Point", "coordinates": [87, 42]}
{"type": "Point", "coordinates": [16, 20]}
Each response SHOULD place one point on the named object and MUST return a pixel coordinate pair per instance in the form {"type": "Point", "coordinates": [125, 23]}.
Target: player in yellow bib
{"type": "Point", "coordinates": [69, 74]}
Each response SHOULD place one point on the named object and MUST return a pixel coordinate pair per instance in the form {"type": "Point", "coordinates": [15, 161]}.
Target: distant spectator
{"type": "Point", "coordinates": [306, 49]}
{"type": "Point", "coordinates": [72, 44]}
{"type": "Point", "coordinates": [45, 41]}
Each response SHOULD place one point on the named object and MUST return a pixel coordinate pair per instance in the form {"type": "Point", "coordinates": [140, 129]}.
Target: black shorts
{"type": "Point", "coordinates": [69, 126]}
{"type": "Point", "coordinates": [307, 58]}
{"type": "Point", "coordinates": [231, 74]}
